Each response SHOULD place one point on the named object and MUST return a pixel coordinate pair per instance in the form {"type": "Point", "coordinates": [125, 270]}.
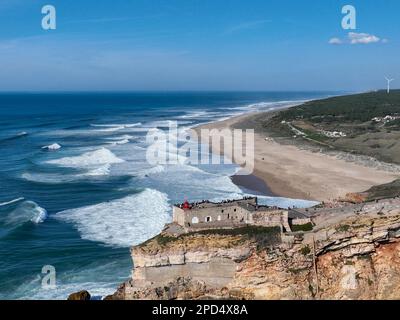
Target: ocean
{"type": "Point", "coordinates": [81, 203]}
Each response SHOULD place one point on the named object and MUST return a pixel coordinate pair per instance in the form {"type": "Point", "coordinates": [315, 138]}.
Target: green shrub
{"type": "Point", "coordinates": [163, 239]}
{"type": "Point", "coordinates": [264, 236]}
{"type": "Point", "coordinates": [305, 250]}
{"type": "Point", "coordinates": [343, 228]}
{"type": "Point", "coordinates": [302, 227]}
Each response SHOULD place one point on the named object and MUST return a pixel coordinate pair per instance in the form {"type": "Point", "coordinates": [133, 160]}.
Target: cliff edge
{"type": "Point", "coordinates": [354, 257]}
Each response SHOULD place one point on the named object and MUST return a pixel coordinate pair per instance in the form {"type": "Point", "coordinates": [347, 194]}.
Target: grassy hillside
{"type": "Point", "coordinates": [367, 124]}
{"type": "Point", "coordinates": [359, 108]}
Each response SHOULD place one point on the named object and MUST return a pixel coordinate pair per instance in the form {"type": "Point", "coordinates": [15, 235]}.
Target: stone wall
{"type": "Point", "coordinates": [231, 214]}
{"type": "Point", "coordinates": [217, 214]}
{"type": "Point", "coordinates": [178, 216]}
{"type": "Point", "coordinates": [212, 212]}
{"type": "Point", "coordinates": [271, 218]}
{"type": "Point", "coordinates": [299, 222]}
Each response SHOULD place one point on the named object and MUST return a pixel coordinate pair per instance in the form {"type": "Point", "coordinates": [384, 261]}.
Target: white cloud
{"type": "Point", "coordinates": [362, 38]}
{"type": "Point", "coordinates": [358, 38]}
{"type": "Point", "coordinates": [335, 41]}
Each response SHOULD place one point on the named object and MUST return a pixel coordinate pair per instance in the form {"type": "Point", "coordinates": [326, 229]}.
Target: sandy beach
{"type": "Point", "coordinates": [291, 172]}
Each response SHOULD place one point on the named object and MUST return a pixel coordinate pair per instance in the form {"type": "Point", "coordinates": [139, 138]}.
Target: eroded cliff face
{"type": "Point", "coordinates": [358, 258]}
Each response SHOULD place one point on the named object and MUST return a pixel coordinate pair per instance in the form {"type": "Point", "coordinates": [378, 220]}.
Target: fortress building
{"type": "Point", "coordinates": [232, 214]}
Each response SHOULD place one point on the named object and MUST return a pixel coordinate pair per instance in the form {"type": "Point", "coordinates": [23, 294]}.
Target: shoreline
{"type": "Point", "coordinates": [252, 183]}
{"type": "Point", "coordinates": [293, 172]}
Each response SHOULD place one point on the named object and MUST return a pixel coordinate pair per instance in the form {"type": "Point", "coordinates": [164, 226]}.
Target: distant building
{"type": "Point", "coordinates": [333, 134]}
{"type": "Point", "coordinates": [386, 119]}
{"type": "Point", "coordinates": [232, 214]}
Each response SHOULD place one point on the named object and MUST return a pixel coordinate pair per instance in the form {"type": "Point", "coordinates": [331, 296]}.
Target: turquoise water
{"type": "Point", "coordinates": [79, 208]}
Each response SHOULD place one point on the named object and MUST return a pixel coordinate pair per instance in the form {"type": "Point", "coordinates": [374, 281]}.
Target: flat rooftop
{"type": "Point", "coordinates": [248, 203]}
{"type": "Point", "coordinates": [210, 204]}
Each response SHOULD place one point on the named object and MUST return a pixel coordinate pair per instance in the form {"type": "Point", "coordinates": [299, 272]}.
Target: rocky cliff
{"type": "Point", "coordinates": [355, 258]}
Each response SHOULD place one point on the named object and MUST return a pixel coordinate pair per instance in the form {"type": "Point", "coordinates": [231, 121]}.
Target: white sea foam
{"type": "Point", "coordinates": [118, 125]}
{"type": "Point", "coordinates": [16, 136]}
{"type": "Point", "coordinates": [160, 124]}
{"type": "Point", "coordinates": [172, 172]}
{"type": "Point", "coordinates": [194, 114]}
{"type": "Point", "coordinates": [91, 158]}
{"type": "Point", "coordinates": [190, 182]}
{"type": "Point", "coordinates": [286, 202]}
{"type": "Point", "coordinates": [119, 142]}
{"type": "Point", "coordinates": [115, 127]}
{"type": "Point", "coordinates": [153, 170]}
{"type": "Point", "coordinates": [171, 157]}
{"type": "Point", "coordinates": [118, 138]}
{"type": "Point", "coordinates": [40, 214]}
{"type": "Point", "coordinates": [101, 171]}
{"type": "Point", "coordinates": [205, 115]}
{"type": "Point", "coordinates": [269, 201]}
{"type": "Point", "coordinates": [111, 129]}
{"type": "Point", "coordinates": [96, 130]}
{"type": "Point", "coordinates": [53, 178]}
{"type": "Point", "coordinates": [11, 201]}
{"type": "Point", "coordinates": [122, 222]}
{"type": "Point", "coordinates": [52, 147]}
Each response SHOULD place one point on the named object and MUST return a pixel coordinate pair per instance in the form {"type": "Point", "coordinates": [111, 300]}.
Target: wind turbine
{"type": "Point", "coordinates": [388, 83]}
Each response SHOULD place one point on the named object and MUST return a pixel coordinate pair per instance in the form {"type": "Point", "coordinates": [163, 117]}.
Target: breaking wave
{"type": "Point", "coordinates": [117, 138]}
{"type": "Point", "coordinates": [122, 222]}
{"type": "Point", "coordinates": [153, 170]}
{"type": "Point", "coordinates": [101, 171]}
{"type": "Point", "coordinates": [17, 136]}
{"type": "Point", "coordinates": [111, 129]}
{"type": "Point", "coordinates": [195, 114]}
{"type": "Point", "coordinates": [98, 157]}
{"type": "Point", "coordinates": [28, 211]}
{"type": "Point", "coordinates": [115, 127]}
{"type": "Point", "coordinates": [119, 142]}
{"type": "Point", "coordinates": [128, 125]}
{"type": "Point", "coordinates": [52, 147]}
{"type": "Point", "coordinates": [10, 202]}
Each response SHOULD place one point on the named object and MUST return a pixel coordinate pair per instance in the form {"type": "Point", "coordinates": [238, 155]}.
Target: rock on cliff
{"type": "Point", "coordinates": [80, 295]}
{"type": "Point", "coordinates": [357, 258]}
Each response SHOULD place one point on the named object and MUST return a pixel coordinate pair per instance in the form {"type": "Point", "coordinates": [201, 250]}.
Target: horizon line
{"type": "Point", "coordinates": [177, 91]}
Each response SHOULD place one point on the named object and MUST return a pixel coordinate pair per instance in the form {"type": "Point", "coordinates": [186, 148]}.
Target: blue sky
{"type": "Point", "coordinates": [198, 45]}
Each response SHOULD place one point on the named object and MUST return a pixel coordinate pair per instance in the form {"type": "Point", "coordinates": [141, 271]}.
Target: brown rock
{"type": "Point", "coordinates": [80, 295]}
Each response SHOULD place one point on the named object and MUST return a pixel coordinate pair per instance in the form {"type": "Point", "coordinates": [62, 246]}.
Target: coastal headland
{"type": "Point", "coordinates": [347, 247]}
{"type": "Point", "coordinates": [350, 251]}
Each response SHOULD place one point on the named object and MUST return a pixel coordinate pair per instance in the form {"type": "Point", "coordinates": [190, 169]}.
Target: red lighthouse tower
{"type": "Point", "coordinates": [186, 205]}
